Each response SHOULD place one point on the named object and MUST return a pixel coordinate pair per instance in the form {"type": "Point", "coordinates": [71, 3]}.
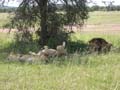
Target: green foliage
{"type": "Point", "coordinates": [104, 8]}
{"type": "Point", "coordinates": [58, 39]}
{"type": "Point", "coordinates": [76, 46]}
{"type": "Point", "coordinates": [24, 47]}
{"type": "Point", "coordinates": [44, 14]}
{"type": "Point", "coordinates": [9, 44]}
{"type": "Point", "coordinates": [7, 9]}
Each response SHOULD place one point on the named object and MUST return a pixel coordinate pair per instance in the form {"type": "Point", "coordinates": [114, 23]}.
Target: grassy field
{"type": "Point", "coordinates": [97, 17]}
{"type": "Point", "coordinates": [4, 19]}
{"type": "Point", "coordinates": [77, 72]}
{"type": "Point", "coordinates": [104, 18]}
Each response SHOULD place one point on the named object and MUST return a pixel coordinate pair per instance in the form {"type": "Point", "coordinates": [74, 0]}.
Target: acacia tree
{"type": "Point", "coordinates": [45, 15]}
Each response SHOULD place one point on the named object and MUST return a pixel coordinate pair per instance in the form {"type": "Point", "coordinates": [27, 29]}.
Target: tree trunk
{"type": "Point", "coordinates": [43, 23]}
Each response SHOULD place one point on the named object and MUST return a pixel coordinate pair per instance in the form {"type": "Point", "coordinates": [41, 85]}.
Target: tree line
{"type": "Point", "coordinates": [61, 8]}
{"type": "Point", "coordinates": [7, 9]}
{"type": "Point", "coordinates": [104, 8]}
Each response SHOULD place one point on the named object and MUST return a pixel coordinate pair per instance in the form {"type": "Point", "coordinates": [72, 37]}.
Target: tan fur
{"type": "Point", "coordinates": [13, 57]}
{"type": "Point", "coordinates": [32, 53]}
{"type": "Point", "coordinates": [26, 58]}
{"type": "Point", "coordinates": [49, 52]}
{"type": "Point", "coordinates": [61, 49]}
{"type": "Point", "coordinates": [46, 52]}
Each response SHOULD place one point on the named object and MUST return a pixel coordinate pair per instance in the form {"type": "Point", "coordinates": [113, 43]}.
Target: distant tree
{"type": "Point", "coordinates": [108, 4]}
{"type": "Point", "coordinates": [105, 3]}
{"type": "Point", "coordinates": [95, 8]}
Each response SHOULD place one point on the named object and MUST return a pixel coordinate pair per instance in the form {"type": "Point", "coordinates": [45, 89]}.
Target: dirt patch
{"type": "Point", "coordinates": [7, 30]}
{"type": "Point", "coordinates": [98, 28]}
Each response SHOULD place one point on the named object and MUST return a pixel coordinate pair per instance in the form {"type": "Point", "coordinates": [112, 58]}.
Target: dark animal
{"type": "Point", "coordinates": [99, 45]}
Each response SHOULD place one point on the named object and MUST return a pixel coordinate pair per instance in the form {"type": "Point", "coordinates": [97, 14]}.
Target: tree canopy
{"type": "Point", "coordinates": [49, 19]}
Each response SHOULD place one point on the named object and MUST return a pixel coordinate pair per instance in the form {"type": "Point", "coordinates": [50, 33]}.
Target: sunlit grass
{"type": "Point", "coordinates": [99, 73]}
{"type": "Point", "coordinates": [4, 19]}
{"type": "Point", "coordinates": [100, 17]}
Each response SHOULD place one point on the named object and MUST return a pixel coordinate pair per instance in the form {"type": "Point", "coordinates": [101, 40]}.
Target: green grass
{"type": "Point", "coordinates": [112, 38]}
{"type": "Point", "coordinates": [4, 19]}
{"type": "Point", "coordinates": [99, 17]}
{"type": "Point", "coordinates": [97, 74]}
{"type": "Point", "coordinates": [78, 72]}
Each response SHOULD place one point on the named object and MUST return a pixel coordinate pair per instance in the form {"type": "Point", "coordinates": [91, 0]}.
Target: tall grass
{"type": "Point", "coordinates": [99, 73]}
{"type": "Point", "coordinates": [76, 72]}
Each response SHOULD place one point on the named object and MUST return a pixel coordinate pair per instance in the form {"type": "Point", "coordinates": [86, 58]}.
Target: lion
{"type": "Point", "coordinates": [99, 45]}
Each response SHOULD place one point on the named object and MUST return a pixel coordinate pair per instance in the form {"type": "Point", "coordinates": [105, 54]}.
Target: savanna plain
{"type": "Point", "coordinates": [76, 72]}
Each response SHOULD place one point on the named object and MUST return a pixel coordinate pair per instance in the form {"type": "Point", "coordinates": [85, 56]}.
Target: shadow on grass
{"type": "Point", "coordinates": [78, 46]}
{"type": "Point", "coordinates": [24, 48]}
{"type": "Point", "coordinates": [20, 47]}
